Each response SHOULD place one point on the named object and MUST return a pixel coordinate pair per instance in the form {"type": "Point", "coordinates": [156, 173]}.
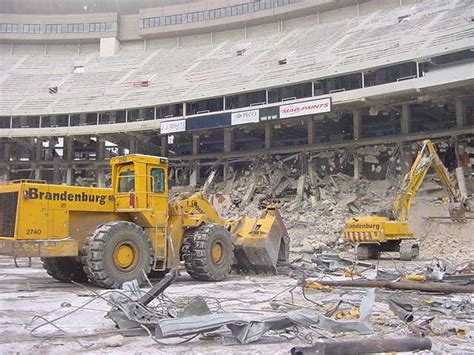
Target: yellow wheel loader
{"type": "Point", "coordinates": [377, 233]}
{"type": "Point", "coordinates": [112, 235]}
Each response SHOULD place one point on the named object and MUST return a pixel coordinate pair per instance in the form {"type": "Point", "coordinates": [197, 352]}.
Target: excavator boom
{"type": "Point", "coordinates": [374, 234]}
{"type": "Point", "coordinates": [426, 158]}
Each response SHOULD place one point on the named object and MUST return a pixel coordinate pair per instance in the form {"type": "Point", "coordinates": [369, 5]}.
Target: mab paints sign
{"type": "Point", "coordinates": [312, 107]}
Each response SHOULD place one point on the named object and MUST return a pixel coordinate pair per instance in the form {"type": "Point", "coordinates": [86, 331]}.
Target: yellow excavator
{"type": "Point", "coordinates": [377, 233]}
{"type": "Point", "coordinates": [112, 235]}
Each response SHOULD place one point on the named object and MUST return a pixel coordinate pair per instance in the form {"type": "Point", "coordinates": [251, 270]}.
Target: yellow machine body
{"type": "Point", "coordinates": [43, 220]}
{"type": "Point", "coordinates": [380, 229]}
{"type": "Point", "coordinates": [375, 229]}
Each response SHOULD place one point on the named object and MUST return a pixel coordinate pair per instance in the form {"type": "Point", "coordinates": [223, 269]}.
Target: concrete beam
{"type": "Point", "coordinates": [412, 137]}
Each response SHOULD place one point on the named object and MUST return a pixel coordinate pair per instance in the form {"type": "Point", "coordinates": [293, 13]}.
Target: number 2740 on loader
{"type": "Point", "coordinates": [112, 235]}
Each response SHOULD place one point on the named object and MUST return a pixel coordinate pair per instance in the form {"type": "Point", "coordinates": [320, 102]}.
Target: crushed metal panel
{"type": "Point", "coordinates": [174, 327]}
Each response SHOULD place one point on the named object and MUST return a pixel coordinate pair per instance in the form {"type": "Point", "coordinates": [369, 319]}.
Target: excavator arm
{"type": "Point", "coordinates": [426, 158]}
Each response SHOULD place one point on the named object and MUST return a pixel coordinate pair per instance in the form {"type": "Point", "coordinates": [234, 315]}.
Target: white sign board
{"type": "Point", "coordinates": [245, 117]}
{"type": "Point", "coordinates": [312, 107]}
{"type": "Point", "coordinates": [172, 126]}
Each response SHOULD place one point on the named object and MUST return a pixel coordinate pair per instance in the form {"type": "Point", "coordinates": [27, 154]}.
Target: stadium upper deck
{"type": "Point", "coordinates": [206, 83]}
{"type": "Point", "coordinates": [152, 73]}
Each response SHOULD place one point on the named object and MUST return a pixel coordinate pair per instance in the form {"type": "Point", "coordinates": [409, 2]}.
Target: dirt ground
{"type": "Point", "coordinates": [28, 291]}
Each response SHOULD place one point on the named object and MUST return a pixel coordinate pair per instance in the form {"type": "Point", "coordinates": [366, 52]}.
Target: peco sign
{"type": "Point", "coordinates": [312, 107]}
{"type": "Point", "coordinates": [245, 117]}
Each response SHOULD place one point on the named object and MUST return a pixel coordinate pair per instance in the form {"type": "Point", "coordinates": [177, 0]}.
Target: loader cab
{"type": "Point", "coordinates": [140, 183]}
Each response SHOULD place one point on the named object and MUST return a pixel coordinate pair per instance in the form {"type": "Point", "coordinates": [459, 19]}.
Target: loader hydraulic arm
{"type": "Point", "coordinates": [426, 158]}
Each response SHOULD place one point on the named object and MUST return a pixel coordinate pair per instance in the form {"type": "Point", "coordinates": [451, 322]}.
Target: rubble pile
{"type": "Point", "coordinates": [314, 208]}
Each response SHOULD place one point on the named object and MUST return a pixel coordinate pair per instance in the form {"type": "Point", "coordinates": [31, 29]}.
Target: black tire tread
{"type": "Point", "coordinates": [64, 269]}
{"type": "Point", "coordinates": [93, 254]}
{"type": "Point", "coordinates": [193, 252]}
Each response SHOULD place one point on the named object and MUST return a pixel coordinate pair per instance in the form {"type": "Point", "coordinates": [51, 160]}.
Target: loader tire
{"type": "Point", "coordinates": [64, 269]}
{"type": "Point", "coordinates": [117, 252]}
{"type": "Point", "coordinates": [208, 253]}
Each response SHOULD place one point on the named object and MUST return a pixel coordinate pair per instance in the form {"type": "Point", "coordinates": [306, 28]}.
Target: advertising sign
{"type": "Point", "coordinates": [312, 107]}
{"type": "Point", "coordinates": [172, 126]}
{"type": "Point", "coordinates": [243, 117]}
{"type": "Point", "coordinates": [208, 121]}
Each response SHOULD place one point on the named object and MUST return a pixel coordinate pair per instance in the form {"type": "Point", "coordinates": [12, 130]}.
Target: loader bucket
{"type": "Point", "coordinates": [260, 242]}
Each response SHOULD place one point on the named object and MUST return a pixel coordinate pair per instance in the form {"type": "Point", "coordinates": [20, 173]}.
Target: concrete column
{"type": "Point", "coordinates": [82, 119]}
{"type": "Point", "coordinates": [405, 119]}
{"type": "Point", "coordinates": [460, 113]}
{"type": "Point", "coordinates": [100, 157]}
{"type": "Point", "coordinates": [6, 158]}
{"type": "Point", "coordinates": [6, 151]}
{"type": "Point", "coordinates": [68, 148]}
{"type": "Point", "coordinates": [228, 140]}
{"type": "Point", "coordinates": [37, 172]}
{"type": "Point", "coordinates": [56, 172]}
{"type": "Point", "coordinates": [5, 174]}
{"type": "Point", "coordinates": [133, 145]}
{"type": "Point", "coordinates": [357, 123]}
{"type": "Point", "coordinates": [196, 145]}
{"type": "Point", "coordinates": [109, 47]}
{"type": "Point", "coordinates": [68, 152]}
{"type": "Point", "coordinates": [406, 159]}
{"type": "Point", "coordinates": [164, 146]}
{"type": "Point", "coordinates": [311, 130]}
{"type": "Point", "coordinates": [69, 172]}
{"type": "Point", "coordinates": [195, 175]}
{"type": "Point", "coordinates": [39, 150]}
{"type": "Point", "coordinates": [141, 114]}
{"type": "Point", "coordinates": [38, 158]}
{"type": "Point", "coordinates": [357, 166]}
{"type": "Point", "coordinates": [268, 134]}
{"type": "Point", "coordinates": [100, 149]}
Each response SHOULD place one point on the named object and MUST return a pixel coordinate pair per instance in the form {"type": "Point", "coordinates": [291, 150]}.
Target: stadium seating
{"type": "Point", "coordinates": [208, 70]}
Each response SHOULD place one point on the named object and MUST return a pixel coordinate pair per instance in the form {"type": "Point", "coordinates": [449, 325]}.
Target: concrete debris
{"type": "Point", "coordinates": [114, 342]}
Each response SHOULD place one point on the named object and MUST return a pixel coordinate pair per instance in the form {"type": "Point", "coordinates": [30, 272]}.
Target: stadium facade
{"type": "Point", "coordinates": [340, 86]}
